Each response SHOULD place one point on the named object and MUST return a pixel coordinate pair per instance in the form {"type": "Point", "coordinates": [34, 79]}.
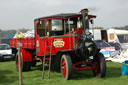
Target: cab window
{"type": "Point", "coordinates": [43, 28]}
{"type": "Point", "coordinates": [71, 24]}
{"type": "Point", "coordinates": [56, 27]}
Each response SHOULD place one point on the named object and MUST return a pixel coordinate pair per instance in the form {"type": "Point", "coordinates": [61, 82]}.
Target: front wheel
{"type": "Point", "coordinates": [99, 65]}
{"type": "Point", "coordinates": [66, 66]}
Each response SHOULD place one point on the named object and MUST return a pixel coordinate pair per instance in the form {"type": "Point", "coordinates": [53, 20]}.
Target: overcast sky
{"type": "Point", "coordinates": [15, 14]}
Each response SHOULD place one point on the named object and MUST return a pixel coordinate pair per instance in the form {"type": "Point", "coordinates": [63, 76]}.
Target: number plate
{"type": "Point", "coordinates": [7, 56]}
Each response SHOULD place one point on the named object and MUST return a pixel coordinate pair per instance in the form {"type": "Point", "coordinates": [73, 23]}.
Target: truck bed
{"type": "Point", "coordinates": [27, 43]}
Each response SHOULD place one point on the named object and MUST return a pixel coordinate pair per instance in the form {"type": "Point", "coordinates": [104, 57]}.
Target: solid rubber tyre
{"type": "Point", "coordinates": [99, 65]}
{"type": "Point", "coordinates": [66, 66]}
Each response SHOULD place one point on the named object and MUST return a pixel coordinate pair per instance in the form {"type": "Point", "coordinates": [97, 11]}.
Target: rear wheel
{"type": "Point", "coordinates": [99, 65]}
{"type": "Point", "coordinates": [66, 66]}
{"type": "Point", "coordinates": [26, 66]}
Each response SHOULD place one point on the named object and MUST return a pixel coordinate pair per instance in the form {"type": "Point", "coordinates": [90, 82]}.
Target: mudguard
{"type": "Point", "coordinates": [26, 55]}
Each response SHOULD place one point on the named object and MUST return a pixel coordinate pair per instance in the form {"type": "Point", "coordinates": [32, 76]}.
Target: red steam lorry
{"type": "Point", "coordinates": [64, 42]}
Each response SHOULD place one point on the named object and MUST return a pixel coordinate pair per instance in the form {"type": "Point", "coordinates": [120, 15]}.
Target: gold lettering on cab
{"type": "Point", "coordinates": [58, 43]}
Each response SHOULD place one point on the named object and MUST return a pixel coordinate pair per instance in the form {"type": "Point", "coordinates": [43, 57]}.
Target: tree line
{"type": "Point", "coordinates": [122, 28]}
{"type": "Point", "coordinates": [5, 33]}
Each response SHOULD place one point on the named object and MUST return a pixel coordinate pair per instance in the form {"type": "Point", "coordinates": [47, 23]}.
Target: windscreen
{"type": "Point", "coordinates": [4, 47]}
{"type": "Point", "coordinates": [57, 25]}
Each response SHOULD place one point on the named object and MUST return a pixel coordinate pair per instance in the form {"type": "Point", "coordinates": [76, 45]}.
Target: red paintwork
{"type": "Point", "coordinates": [17, 63]}
{"type": "Point", "coordinates": [83, 68]}
{"type": "Point", "coordinates": [76, 68]}
{"type": "Point", "coordinates": [64, 68]}
{"type": "Point", "coordinates": [27, 43]}
{"type": "Point", "coordinates": [26, 55]}
{"type": "Point", "coordinates": [69, 43]}
{"type": "Point", "coordinates": [37, 37]}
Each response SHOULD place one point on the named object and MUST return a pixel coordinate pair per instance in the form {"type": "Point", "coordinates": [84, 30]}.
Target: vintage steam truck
{"type": "Point", "coordinates": [62, 41]}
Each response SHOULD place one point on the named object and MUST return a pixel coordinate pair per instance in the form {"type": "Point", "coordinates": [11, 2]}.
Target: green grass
{"type": "Point", "coordinates": [9, 76]}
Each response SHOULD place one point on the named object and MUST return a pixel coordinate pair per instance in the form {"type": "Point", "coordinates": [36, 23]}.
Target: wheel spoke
{"type": "Point", "coordinates": [63, 62]}
{"type": "Point", "coordinates": [64, 70]}
{"type": "Point", "coordinates": [63, 67]}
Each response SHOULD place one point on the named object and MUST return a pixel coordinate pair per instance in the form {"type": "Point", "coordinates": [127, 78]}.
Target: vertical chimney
{"type": "Point", "coordinates": [85, 21]}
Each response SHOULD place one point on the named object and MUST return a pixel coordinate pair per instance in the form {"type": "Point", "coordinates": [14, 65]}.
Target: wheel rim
{"type": "Point", "coordinates": [63, 68]}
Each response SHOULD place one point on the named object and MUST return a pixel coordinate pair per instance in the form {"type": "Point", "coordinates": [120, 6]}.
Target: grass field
{"type": "Point", "coordinates": [9, 76]}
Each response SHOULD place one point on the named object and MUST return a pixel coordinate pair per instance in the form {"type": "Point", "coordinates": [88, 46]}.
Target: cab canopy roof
{"type": "Point", "coordinates": [63, 16]}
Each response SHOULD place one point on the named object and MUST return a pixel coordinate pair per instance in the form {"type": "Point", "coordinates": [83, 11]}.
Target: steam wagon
{"type": "Point", "coordinates": [63, 41]}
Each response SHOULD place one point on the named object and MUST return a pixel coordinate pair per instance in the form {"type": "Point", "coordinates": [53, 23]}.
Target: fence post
{"type": "Point", "coordinates": [20, 63]}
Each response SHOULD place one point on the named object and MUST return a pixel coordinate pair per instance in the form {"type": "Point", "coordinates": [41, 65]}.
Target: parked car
{"type": "Point", "coordinates": [108, 49]}
{"type": "Point", "coordinates": [6, 52]}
